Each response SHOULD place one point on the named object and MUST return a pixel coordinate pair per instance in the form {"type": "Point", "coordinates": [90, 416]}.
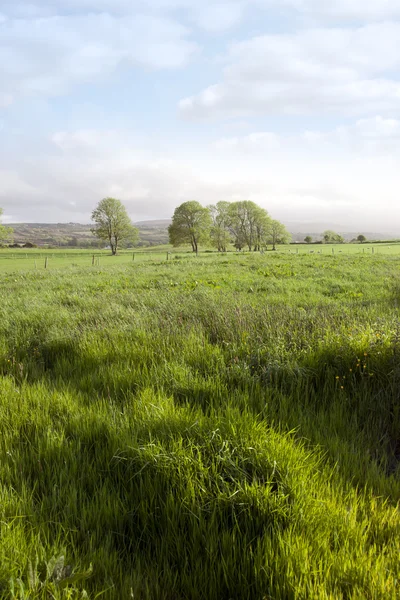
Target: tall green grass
{"type": "Point", "coordinates": [201, 428]}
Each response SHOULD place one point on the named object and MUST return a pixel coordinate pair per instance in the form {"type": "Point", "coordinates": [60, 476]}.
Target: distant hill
{"type": "Point", "coordinates": [155, 224]}
{"type": "Point", "coordinates": [152, 233]}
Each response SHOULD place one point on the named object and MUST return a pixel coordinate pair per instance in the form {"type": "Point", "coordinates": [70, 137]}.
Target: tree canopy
{"type": "Point", "coordinates": [247, 224]}
{"type": "Point", "coordinates": [219, 233]}
{"type": "Point", "coordinates": [191, 224]}
{"type": "Point", "coordinates": [113, 223]}
{"type": "Point", "coordinates": [277, 233]}
{"type": "Point", "coordinates": [242, 223]}
{"type": "Point", "coordinates": [331, 237]}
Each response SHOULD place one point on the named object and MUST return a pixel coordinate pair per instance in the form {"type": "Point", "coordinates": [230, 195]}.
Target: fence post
{"type": "Point", "coordinates": [93, 260]}
{"type": "Point", "coordinates": [45, 263]}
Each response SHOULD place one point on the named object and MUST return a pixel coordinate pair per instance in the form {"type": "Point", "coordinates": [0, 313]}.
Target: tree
{"type": "Point", "coordinates": [361, 238]}
{"type": "Point", "coordinates": [331, 237]}
{"type": "Point", "coordinates": [6, 233]}
{"type": "Point", "coordinates": [219, 233]}
{"type": "Point", "coordinates": [248, 224]}
{"type": "Point", "coordinates": [262, 224]}
{"type": "Point", "coordinates": [113, 223]}
{"type": "Point", "coordinates": [277, 234]}
{"type": "Point", "coordinates": [191, 224]}
{"type": "Point", "coordinates": [308, 239]}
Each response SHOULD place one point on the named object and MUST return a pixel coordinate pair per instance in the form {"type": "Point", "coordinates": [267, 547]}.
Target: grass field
{"type": "Point", "coordinates": [211, 427]}
{"type": "Point", "coordinates": [27, 259]}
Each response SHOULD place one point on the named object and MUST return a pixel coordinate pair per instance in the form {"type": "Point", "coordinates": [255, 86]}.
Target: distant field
{"type": "Point", "coordinates": [26, 259]}
{"type": "Point", "coordinates": [204, 428]}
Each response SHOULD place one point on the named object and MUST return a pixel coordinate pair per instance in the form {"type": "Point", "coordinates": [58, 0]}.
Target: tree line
{"type": "Point", "coordinates": [243, 224]}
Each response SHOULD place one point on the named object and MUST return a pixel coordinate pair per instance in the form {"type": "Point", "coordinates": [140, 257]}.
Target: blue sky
{"type": "Point", "coordinates": [294, 104]}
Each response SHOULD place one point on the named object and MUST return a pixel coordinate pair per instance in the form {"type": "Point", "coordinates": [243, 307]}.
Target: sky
{"type": "Point", "coordinates": [294, 104]}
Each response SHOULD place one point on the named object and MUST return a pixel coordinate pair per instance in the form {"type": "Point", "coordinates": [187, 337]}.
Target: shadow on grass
{"type": "Point", "coordinates": [192, 506]}
{"type": "Point", "coordinates": [348, 404]}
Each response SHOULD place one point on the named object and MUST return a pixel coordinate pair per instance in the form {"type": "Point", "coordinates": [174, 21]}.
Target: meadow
{"type": "Point", "coordinates": [12, 259]}
{"type": "Point", "coordinates": [211, 427]}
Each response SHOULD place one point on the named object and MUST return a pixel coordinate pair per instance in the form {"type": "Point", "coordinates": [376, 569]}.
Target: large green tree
{"type": "Point", "coordinates": [247, 224]}
{"type": "Point", "coordinates": [277, 234]}
{"type": "Point", "coordinates": [262, 226]}
{"type": "Point", "coordinates": [6, 233]}
{"type": "Point", "coordinates": [191, 224]}
{"type": "Point", "coordinates": [220, 235]}
{"type": "Point", "coordinates": [113, 224]}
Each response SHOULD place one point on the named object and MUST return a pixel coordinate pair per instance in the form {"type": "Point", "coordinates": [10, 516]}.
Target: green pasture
{"type": "Point", "coordinates": [200, 428]}
{"type": "Point", "coordinates": [27, 259]}
{"type": "Point", "coordinates": [31, 259]}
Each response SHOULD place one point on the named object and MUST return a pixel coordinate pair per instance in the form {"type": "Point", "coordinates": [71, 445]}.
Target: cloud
{"type": "Point", "coordinates": [5, 100]}
{"type": "Point", "coordinates": [225, 11]}
{"type": "Point", "coordinates": [51, 55]}
{"type": "Point", "coordinates": [218, 16]}
{"type": "Point", "coordinates": [209, 15]}
{"type": "Point", "coordinates": [361, 10]}
{"type": "Point", "coordinates": [254, 142]}
{"type": "Point", "coordinates": [316, 71]}
{"type": "Point", "coordinates": [86, 140]}
{"type": "Point", "coordinates": [366, 137]}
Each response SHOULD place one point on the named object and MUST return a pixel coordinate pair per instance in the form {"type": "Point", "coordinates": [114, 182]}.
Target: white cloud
{"type": "Point", "coordinates": [209, 15]}
{"type": "Point", "coordinates": [217, 16]}
{"type": "Point", "coordinates": [379, 128]}
{"type": "Point", "coordinates": [362, 10]}
{"type": "Point", "coordinates": [84, 140]}
{"type": "Point", "coordinates": [340, 71]}
{"type": "Point", "coordinates": [227, 12]}
{"type": "Point", "coordinates": [50, 55]}
{"type": "Point", "coordinates": [5, 100]}
{"type": "Point", "coordinates": [374, 136]}
{"type": "Point", "coordinates": [254, 142]}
